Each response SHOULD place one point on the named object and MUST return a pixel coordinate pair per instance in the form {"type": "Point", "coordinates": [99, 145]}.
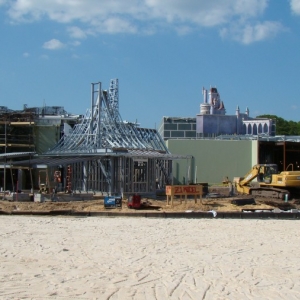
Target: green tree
{"type": "Point", "coordinates": [284, 127]}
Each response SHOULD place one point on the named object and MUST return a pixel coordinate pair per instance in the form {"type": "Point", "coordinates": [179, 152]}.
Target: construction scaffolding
{"type": "Point", "coordinates": [105, 154]}
{"type": "Point", "coordinates": [102, 129]}
{"type": "Point", "coordinates": [16, 131]}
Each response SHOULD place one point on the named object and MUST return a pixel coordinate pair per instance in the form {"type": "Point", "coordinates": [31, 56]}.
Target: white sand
{"type": "Point", "coordinates": [139, 258]}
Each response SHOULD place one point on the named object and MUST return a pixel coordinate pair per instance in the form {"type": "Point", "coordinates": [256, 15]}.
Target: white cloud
{"type": "Point", "coordinates": [26, 54]}
{"type": "Point", "coordinates": [53, 45]}
{"type": "Point", "coordinates": [149, 16]}
{"type": "Point", "coordinates": [76, 32]}
{"type": "Point", "coordinates": [250, 33]}
{"type": "Point", "coordinates": [202, 12]}
{"type": "Point", "coordinates": [116, 25]}
{"type": "Point", "coordinates": [69, 10]}
{"type": "Point", "coordinates": [295, 6]}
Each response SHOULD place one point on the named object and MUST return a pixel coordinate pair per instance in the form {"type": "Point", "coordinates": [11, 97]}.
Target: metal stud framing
{"type": "Point", "coordinates": [123, 156]}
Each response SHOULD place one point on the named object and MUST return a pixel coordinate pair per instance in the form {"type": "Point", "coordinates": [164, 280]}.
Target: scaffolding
{"type": "Point", "coordinates": [16, 131]}
{"type": "Point", "coordinates": [102, 129]}
{"type": "Point", "coordinates": [106, 154]}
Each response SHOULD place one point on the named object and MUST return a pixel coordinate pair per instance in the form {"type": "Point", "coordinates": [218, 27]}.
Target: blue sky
{"type": "Point", "coordinates": [162, 52]}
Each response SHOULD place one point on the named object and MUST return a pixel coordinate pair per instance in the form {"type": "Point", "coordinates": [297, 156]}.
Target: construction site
{"type": "Point", "coordinates": [50, 158]}
{"type": "Point", "coordinates": [47, 150]}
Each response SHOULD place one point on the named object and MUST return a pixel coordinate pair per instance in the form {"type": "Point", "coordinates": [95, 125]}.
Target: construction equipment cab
{"type": "Point", "coordinates": [269, 182]}
{"type": "Point", "coordinates": [265, 173]}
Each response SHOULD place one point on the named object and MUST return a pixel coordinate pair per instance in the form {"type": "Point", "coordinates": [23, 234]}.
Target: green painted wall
{"type": "Point", "coordinates": [212, 160]}
{"type": "Point", "coordinates": [46, 137]}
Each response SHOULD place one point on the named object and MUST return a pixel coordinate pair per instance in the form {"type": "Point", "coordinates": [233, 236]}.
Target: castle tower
{"type": "Point", "coordinates": [247, 111]}
{"type": "Point", "coordinates": [212, 104]}
{"type": "Point", "coordinates": [237, 111]}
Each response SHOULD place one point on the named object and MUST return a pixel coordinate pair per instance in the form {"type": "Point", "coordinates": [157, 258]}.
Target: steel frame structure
{"type": "Point", "coordinates": [116, 156]}
{"type": "Point", "coordinates": [102, 128]}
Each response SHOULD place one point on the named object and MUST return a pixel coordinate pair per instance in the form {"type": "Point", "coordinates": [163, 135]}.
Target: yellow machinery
{"type": "Point", "coordinates": [269, 183]}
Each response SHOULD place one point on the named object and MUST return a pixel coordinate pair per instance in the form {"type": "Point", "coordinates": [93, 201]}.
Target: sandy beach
{"type": "Point", "coordinates": [140, 258]}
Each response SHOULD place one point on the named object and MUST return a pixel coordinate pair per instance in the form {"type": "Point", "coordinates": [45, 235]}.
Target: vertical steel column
{"type": "Point", "coordinates": [93, 104]}
{"type": "Point", "coordinates": [84, 182]}
{"type": "Point", "coordinates": [98, 185]}
{"type": "Point", "coordinates": [100, 176]}
{"type": "Point", "coordinates": [96, 103]}
{"type": "Point", "coordinates": [122, 177]}
{"type": "Point", "coordinates": [112, 188]}
{"type": "Point", "coordinates": [98, 133]}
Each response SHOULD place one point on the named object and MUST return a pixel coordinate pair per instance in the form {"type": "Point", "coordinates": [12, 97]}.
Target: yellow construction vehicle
{"type": "Point", "coordinates": [269, 183]}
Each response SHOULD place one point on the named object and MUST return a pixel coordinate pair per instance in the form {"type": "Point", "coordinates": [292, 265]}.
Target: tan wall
{"type": "Point", "coordinates": [212, 160]}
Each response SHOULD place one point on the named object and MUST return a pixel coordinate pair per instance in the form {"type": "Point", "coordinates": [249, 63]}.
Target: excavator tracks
{"type": "Point", "coordinates": [269, 192]}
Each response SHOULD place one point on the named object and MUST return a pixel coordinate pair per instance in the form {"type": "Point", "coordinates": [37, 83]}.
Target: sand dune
{"type": "Point", "coordinates": [139, 258]}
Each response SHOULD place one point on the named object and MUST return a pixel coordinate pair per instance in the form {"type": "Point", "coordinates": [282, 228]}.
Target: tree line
{"type": "Point", "coordinates": [284, 127]}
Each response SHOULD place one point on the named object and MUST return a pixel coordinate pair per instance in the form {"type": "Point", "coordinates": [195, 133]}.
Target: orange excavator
{"type": "Point", "coordinates": [269, 182]}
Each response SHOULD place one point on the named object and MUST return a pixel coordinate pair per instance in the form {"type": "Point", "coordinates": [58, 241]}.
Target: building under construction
{"type": "Point", "coordinates": [33, 129]}
{"type": "Point", "coordinates": [99, 152]}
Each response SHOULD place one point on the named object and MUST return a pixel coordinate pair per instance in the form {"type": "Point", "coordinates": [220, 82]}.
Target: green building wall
{"type": "Point", "coordinates": [46, 137]}
{"type": "Point", "coordinates": [211, 161]}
